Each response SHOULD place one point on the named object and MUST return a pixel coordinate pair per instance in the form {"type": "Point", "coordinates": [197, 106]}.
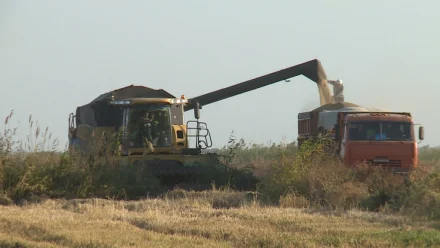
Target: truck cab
{"type": "Point", "coordinates": [379, 138]}
{"type": "Point", "coordinates": [362, 135]}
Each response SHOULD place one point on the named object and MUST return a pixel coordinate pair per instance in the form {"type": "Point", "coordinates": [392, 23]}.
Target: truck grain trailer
{"type": "Point", "coordinates": [359, 134]}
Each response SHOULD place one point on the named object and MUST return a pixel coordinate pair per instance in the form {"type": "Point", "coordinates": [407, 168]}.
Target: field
{"type": "Point", "coordinates": [185, 219]}
{"type": "Point", "coordinates": [49, 199]}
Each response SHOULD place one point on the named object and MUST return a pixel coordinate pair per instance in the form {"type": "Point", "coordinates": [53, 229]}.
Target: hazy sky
{"type": "Point", "coordinates": [57, 55]}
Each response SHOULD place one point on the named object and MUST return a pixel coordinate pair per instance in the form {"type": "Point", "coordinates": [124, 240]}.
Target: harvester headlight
{"type": "Point", "coordinates": [120, 102]}
{"type": "Point", "coordinates": [178, 101]}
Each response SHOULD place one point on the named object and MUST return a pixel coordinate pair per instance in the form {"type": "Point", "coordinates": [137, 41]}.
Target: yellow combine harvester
{"type": "Point", "coordinates": [147, 127]}
{"type": "Point", "coordinates": [144, 126]}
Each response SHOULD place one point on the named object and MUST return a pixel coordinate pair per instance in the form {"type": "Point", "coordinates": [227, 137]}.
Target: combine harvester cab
{"type": "Point", "coordinates": [146, 128]}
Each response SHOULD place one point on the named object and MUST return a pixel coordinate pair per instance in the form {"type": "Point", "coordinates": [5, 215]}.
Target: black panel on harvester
{"type": "Point", "coordinates": [99, 113]}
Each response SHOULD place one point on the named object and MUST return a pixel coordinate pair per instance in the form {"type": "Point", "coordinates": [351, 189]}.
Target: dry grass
{"type": "Point", "coordinates": [191, 219]}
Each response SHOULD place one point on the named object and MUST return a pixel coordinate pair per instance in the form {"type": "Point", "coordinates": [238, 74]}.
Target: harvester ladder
{"type": "Point", "coordinates": [202, 135]}
{"type": "Point", "coordinates": [72, 121]}
{"type": "Point", "coordinates": [72, 125]}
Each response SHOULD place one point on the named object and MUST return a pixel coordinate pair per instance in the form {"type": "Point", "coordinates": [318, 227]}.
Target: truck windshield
{"type": "Point", "coordinates": [380, 131]}
{"type": "Point", "coordinates": [148, 122]}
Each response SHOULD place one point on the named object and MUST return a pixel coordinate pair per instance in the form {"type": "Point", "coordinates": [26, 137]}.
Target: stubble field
{"type": "Point", "coordinates": [185, 219]}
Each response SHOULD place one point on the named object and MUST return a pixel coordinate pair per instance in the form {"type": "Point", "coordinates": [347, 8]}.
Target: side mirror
{"type": "Point", "coordinates": [337, 131]}
{"type": "Point", "coordinates": [421, 133]}
{"type": "Point", "coordinates": [197, 111]}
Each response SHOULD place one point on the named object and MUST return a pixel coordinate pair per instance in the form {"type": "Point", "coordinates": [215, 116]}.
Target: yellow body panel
{"type": "Point", "coordinates": [179, 143]}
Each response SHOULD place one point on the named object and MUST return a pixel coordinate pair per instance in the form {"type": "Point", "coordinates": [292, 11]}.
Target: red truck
{"type": "Point", "coordinates": [376, 137]}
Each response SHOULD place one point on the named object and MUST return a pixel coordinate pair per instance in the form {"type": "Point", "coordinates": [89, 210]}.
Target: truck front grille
{"type": "Point", "coordinates": [394, 163]}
